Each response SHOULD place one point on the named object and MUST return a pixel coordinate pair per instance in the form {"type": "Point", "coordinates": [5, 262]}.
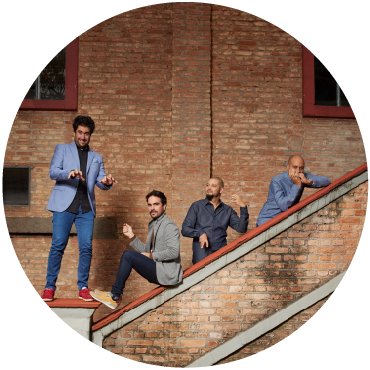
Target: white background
{"type": "Point", "coordinates": [32, 32]}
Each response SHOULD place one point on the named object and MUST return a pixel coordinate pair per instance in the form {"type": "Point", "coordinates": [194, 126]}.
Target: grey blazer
{"type": "Point", "coordinates": [166, 253]}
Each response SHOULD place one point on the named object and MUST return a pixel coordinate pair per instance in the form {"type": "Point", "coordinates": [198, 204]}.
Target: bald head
{"type": "Point", "coordinates": [294, 157]}
{"type": "Point", "coordinates": [296, 163]}
{"type": "Point", "coordinates": [220, 181]}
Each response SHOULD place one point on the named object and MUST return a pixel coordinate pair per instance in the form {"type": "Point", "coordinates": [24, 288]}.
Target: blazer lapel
{"type": "Point", "coordinates": [149, 237]}
{"type": "Point", "coordinates": [74, 151]}
{"type": "Point", "coordinates": [156, 228]}
{"type": "Point", "coordinates": [90, 156]}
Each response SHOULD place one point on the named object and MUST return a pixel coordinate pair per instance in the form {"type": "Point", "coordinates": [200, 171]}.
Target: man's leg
{"type": "Point", "coordinates": [199, 253]}
{"type": "Point", "coordinates": [143, 265]}
{"type": "Point", "coordinates": [62, 223]}
{"type": "Point", "coordinates": [84, 225]}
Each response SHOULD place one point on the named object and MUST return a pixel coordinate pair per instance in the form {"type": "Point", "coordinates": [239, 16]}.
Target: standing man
{"type": "Point", "coordinates": [287, 188]}
{"type": "Point", "coordinates": [76, 168]}
{"type": "Point", "coordinates": [158, 260]}
{"type": "Point", "coordinates": [208, 219]}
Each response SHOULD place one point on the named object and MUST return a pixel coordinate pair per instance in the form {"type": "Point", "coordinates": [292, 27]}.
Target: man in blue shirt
{"type": "Point", "coordinates": [287, 188]}
{"type": "Point", "coordinates": [208, 219]}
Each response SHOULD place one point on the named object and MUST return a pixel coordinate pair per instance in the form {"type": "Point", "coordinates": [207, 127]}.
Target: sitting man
{"type": "Point", "coordinates": [287, 188]}
{"type": "Point", "coordinates": [158, 260]}
{"type": "Point", "coordinates": [208, 219]}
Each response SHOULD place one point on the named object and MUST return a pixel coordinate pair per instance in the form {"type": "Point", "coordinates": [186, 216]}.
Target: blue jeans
{"type": "Point", "coordinates": [143, 265]}
{"type": "Point", "coordinates": [62, 224]}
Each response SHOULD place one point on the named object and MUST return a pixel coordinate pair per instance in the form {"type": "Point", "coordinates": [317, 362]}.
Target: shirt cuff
{"type": "Point", "coordinates": [200, 232]}
{"type": "Point", "coordinates": [244, 210]}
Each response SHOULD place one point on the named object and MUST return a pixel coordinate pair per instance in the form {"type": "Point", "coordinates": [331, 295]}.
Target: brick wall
{"type": "Point", "coordinates": [125, 77]}
{"type": "Point", "coordinates": [257, 111]}
{"type": "Point", "coordinates": [178, 92]}
{"type": "Point", "coordinates": [191, 110]}
{"type": "Point", "coordinates": [276, 335]}
{"type": "Point", "coordinates": [243, 293]}
{"type": "Point", "coordinates": [32, 140]}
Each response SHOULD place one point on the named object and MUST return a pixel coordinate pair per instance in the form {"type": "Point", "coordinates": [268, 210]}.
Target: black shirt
{"type": "Point", "coordinates": [81, 198]}
{"type": "Point", "coordinates": [203, 218]}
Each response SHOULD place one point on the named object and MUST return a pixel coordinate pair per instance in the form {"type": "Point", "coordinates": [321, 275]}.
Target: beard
{"type": "Point", "coordinates": [84, 146]}
{"type": "Point", "coordinates": [209, 197]}
{"type": "Point", "coordinates": [154, 215]}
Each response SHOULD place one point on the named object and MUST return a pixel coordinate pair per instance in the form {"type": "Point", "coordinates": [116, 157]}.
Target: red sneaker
{"type": "Point", "coordinates": [85, 295]}
{"type": "Point", "coordinates": [48, 295]}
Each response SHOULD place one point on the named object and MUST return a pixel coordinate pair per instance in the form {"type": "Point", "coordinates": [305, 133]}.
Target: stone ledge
{"type": "Point", "coordinates": [72, 303]}
{"type": "Point", "coordinates": [104, 227]}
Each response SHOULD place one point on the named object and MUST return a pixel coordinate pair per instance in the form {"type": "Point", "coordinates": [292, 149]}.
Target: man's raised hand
{"type": "Point", "coordinates": [75, 173]}
{"type": "Point", "coordinates": [127, 231]}
{"type": "Point", "coordinates": [108, 180]}
{"type": "Point", "coordinates": [304, 179]}
{"type": "Point", "coordinates": [295, 178]}
{"type": "Point", "coordinates": [236, 199]}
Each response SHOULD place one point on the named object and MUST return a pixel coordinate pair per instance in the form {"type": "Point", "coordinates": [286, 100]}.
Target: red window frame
{"type": "Point", "coordinates": [309, 109]}
{"type": "Point", "coordinates": [71, 91]}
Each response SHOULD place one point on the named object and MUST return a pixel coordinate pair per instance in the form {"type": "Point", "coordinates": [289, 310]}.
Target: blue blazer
{"type": "Point", "coordinates": [66, 159]}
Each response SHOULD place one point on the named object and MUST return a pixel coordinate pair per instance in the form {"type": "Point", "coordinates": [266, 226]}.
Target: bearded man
{"type": "Point", "coordinates": [208, 219]}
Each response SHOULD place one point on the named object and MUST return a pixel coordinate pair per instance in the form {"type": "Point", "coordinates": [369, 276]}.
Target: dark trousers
{"type": "Point", "coordinates": [199, 253]}
{"type": "Point", "coordinates": [141, 264]}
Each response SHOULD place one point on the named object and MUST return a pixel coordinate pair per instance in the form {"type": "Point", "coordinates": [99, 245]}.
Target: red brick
{"type": "Point", "coordinates": [181, 95]}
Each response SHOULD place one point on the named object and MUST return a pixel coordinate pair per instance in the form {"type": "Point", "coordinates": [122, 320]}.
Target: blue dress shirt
{"type": "Point", "coordinates": [203, 218]}
{"type": "Point", "coordinates": [283, 194]}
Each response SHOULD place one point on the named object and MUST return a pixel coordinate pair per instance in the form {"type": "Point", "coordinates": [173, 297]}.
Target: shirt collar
{"type": "Point", "coordinates": [82, 150]}
{"type": "Point", "coordinates": [206, 202]}
{"type": "Point", "coordinates": [160, 218]}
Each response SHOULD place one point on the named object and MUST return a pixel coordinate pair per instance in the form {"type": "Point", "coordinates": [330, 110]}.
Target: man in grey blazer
{"type": "Point", "coordinates": [157, 260]}
{"type": "Point", "coordinates": [73, 201]}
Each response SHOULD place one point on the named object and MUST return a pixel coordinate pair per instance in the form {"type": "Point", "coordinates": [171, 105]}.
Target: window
{"type": "Point", "coordinates": [16, 186]}
{"type": "Point", "coordinates": [56, 87]}
{"type": "Point", "coordinates": [322, 96]}
{"type": "Point", "coordinates": [51, 83]}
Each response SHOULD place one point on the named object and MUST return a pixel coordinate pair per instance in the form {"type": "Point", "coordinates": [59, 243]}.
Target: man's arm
{"type": "Point", "coordinates": [57, 172]}
{"type": "Point", "coordinates": [284, 201]}
{"type": "Point", "coordinates": [239, 224]}
{"type": "Point", "coordinates": [135, 241]}
{"type": "Point", "coordinates": [318, 181]}
{"type": "Point", "coordinates": [103, 181]}
{"type": "Point", "coordinates": [172, 236]}
{"type": "Point", "coordinates": [188, 226]}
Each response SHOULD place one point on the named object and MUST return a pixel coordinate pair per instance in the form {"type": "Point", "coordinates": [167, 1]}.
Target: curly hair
{"type": "Point", "coordinates": [85, 121]}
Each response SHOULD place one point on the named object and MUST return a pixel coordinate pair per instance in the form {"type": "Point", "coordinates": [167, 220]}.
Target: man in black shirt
{"type": "Point", "coordinates": [73, 201]}
{"type": "Point", "coordinates": [208, 219]}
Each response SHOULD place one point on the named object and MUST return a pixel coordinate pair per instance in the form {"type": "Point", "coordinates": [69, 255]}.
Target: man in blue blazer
{"type": "Point", "coordinates": [76, 168]}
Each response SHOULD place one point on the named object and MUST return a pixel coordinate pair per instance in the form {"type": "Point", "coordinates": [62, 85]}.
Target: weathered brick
{"type": "Point", "coordinates": [181, 92]}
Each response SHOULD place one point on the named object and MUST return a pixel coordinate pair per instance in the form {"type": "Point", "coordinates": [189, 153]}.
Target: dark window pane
{"type": "Point", "coordinates": [16, 186]}
{"type": "Point", "coordinates": [50, 84]}
{"type": "Point", "coordinates": [325, 86]}
{"type": "Point", "coordinates": [327, 91]}
{"type": "Point", "coordinates": [343, 100]}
